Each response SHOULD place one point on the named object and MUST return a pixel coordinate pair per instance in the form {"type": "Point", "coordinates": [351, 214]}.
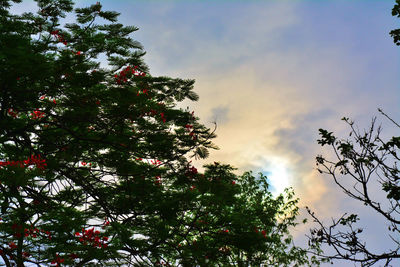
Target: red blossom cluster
{"type": "Point", "coordinates": [88, 236]}
{"type": "Point", "coordinates": [37, 114]}
{"type": "Point", "coordinates": [59, 37]}
{"type": "Point", "coordinates": [145, 91]}
{"type": "Point", "coordinates": [44, 97]}
{"type": "Point", "coordinates": [158, 180]}
{"type": "Point", "coordinates": [156, 162]}
{"type": "Point", "coordinates": [153, 112]}
{"type": "Point", "coordinates": [189, 128]}
{"type": "Point", "coordinates": [191, 171]}
{"type": "Point", "coordinates": [122, 76]}
{"type": "Point", "coordinates": [33, 232]}
{"type": "Point", "coordinates": [12, 245]}
{"type": "Point", "coordinates": [85, 163]}
{"type": "Point", "coordinates": [33, 160]}
{"type": "Point", "coordinates": [92, 237]}
{"type": "Point", "coordinates": [12, 112]}
{"type": "Point", "coordinates": [263, 232]}
{"type": "Point", "coordinates": [57, 260]}
{"type": "Point", "coordinates": [106, 223]}
{"type": "Point", "coordinates": [162, 117]}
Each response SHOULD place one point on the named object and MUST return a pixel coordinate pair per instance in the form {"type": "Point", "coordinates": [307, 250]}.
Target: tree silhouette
{"type": "Point", "coordinates": [95, 161]}
{"type": "Point", "coordinates": [396, 33]}
{"type": "Point", "coordinates": [364, 158]}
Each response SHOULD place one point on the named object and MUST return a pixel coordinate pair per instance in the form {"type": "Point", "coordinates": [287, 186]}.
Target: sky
{"type": "Point", "coordinates": [270, 74]}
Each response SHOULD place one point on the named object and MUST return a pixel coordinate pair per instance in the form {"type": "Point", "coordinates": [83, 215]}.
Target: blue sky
{"type": "Point", "coordinates": [271, 73]}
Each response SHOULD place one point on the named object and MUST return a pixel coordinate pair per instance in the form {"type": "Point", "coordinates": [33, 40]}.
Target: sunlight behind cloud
{"type": "Point", "coordinates": [278, 177]}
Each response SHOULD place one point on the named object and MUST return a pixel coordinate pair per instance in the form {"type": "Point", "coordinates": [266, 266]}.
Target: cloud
{"type": "Point", "coordinates": [220, 115]}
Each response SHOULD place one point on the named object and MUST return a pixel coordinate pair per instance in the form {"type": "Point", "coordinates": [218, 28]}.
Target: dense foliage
{"type": "Point", "coordinates": [95, 161]}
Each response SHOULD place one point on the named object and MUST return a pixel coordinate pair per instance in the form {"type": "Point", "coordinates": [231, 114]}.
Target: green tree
{"type": "Point", "coordinates": [95, 160]}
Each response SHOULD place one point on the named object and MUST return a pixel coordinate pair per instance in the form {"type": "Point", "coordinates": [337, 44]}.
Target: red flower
{"type": "Point", "coordinates": [37, 114]}
{"type": "Point", "coordinates": [57, 260]}
{"type": "Point", "coordinates": [263, 233]}
{"type": "Point", "coordinates": [12, 245]}
{"type": "Point", "coordinates": [12, 112]}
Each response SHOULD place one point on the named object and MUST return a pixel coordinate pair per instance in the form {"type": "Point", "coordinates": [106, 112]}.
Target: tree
{"type": "Point", "coordinates": [95, 160]}
{"type": "Point", "coordinates": [363, 159]}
